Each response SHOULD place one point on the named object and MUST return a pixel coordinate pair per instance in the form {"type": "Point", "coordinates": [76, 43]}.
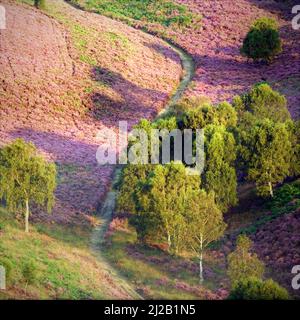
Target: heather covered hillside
{"type": "Point", "coordinates": [59, 88]}
{"type": "Point", "coordinates": [205, 205]}
{"type": "Point", "coordinates": [212, 32]}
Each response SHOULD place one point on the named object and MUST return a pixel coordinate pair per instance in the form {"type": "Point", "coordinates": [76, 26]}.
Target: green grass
{"type": "Point", "coordinates": [153, 272]}
{"type": "Point", "coordinates": [51, 262]}
{"type": "Point", "coordinates": [162, 12]}
{"type": "Point", "coordinates": [286, 200]}
{"type": "Point", "coordinates": [254, 212]}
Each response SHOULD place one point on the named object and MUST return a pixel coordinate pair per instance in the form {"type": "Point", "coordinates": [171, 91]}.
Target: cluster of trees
{"type": "Point", "coordinates": [25, 178]}
{"type": "Point", "coordinates": [169, 205]}
{"type": "Point", "coordinates": [253, 138]}
{"type": "Point", "coordinates": [246, 272]}
{"type": "Point", "coordinates": [262, 41]}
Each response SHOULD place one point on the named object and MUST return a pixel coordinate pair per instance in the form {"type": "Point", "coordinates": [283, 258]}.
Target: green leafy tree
{"type": "Point", "coordinates": [243, 264]}
{"type": "Point", "coordinates": [167, 123]}
{"type": "Point", "coordinates": [267, 150]}
{"type": "Point", "coordinates": [257, 289]}
{"type": "Point", "coordinates": [259, 103]}
{"type": "Point", "coordinates": [40, 4]}
{"type": "Point", "coordinates": [204, 222]}
{"type": "Point", "coordinates": [132, 179]}
{"type": "Point", "coordinates": [294, 130]}
{"type": "Point", "coordinates": [262, 41]}
{"type": "Point", "coordinates": [207, 114]}
{"type": "Point", "coordinates": [199, 117]}
{"type": "Point", "coordinates": [189, 103]}
{"type": "Point", "coordinates": [161, 204]}
{"type": "Point", "coordinates": [219, 173]}
{"type": "Point", "coordinates": [25, 178]}
{"type": "Point", "coordinates": [226, 115]}
{"type": "Point", "coordinates": [168, 186]}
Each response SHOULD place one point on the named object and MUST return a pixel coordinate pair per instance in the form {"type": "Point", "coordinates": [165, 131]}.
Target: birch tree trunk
{"type": "Point", "coordinates": [201, 260]}
{"type": "Point", "coordinates": [27, 216]}
{"type": "Point", "coordinates": [169, 241]}
{"type": "Point", "coordinates": [271, 189]}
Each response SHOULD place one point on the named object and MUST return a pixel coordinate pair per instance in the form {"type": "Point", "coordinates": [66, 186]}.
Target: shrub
{"type": "Point", "coordinates": [262, 41]}
{"type": "Point", "coordinates": [256, 289]}
{"type": "Point", "coordinates": [40, 4]}
{"type": "Point", "coordinates": [243, 264]}
{"type": "Point", "coordinates": [285, 194]}
{"type": "Point", "coordinates": [29, 272]}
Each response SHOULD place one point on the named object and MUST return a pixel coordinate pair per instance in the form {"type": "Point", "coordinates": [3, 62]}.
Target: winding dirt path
{"type": "Point", "coordinates": [106, 213]}
{"type": "Point", "coordinates": [51, 96]}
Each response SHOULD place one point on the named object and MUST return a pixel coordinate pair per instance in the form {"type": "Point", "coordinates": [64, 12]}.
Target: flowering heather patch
{"type": "Point", "coordinates": [59, 87]}
{"type": "Point", "coordinates": [221, 71]}
{"type": "Point", "coordinates": [277, 243]}
{"type": "Point", "coordinates": [215, 42]}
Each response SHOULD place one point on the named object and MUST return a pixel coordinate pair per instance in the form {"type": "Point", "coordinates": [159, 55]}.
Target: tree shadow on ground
{"type": "Point", "coordinates": [82, 182]}
{"type": "Point", "coordinates": [166, 52]}
{"type": "Point", "coordinates": [132, 103]}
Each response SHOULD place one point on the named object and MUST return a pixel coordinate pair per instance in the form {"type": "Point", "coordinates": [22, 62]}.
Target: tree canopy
{"type": "Point", "coordinates": [262, 41]}
{"type": "Point", "coordinates": [25, 178]}
{"type": "Point", "coordinates": [267, 150]}
{"type": "Point", "coordinates": [243, 264]}
{"type": "Point", "coordinates": [219, 174]}
{"type": "Point", "coordinates": [205, 223]}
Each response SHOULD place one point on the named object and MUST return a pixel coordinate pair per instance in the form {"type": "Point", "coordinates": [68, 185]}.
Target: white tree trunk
{"type": "Point", "coordinates": [201, 261]}
{"type": "Point", "coordinates": [271, 189]}
{"type": "Point", "coordinates": [169, 241]}
{"type": "Point", "coordinates": [27, 217]}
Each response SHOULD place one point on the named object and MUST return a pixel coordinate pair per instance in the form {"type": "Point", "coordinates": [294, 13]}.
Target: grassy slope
{"type": "Point", "coordinates": [58, 257]}
{"type": "Point", "coordinates": [159, 15]}
{"type": "Point", "coordinates": [155, 274]}
{"type": "Point", "coordinates": [61, 266]}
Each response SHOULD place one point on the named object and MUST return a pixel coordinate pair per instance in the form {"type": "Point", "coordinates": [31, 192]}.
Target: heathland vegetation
{"type": "Point", "coordinates": [172, 234]}
{"type": "Point", "coordinates": [245, 141]}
